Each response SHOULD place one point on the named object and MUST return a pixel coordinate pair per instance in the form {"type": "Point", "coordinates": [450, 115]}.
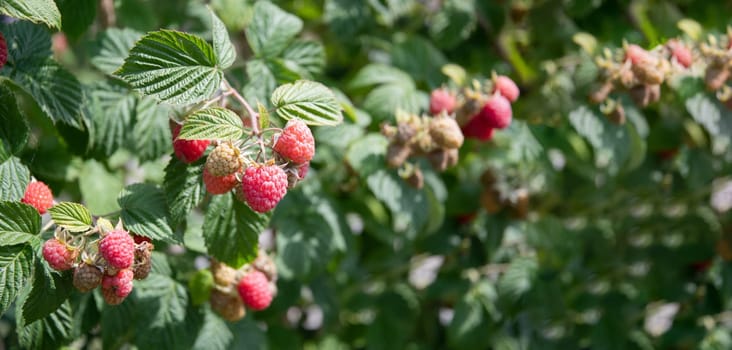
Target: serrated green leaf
{"type": "Point", "coordinates": [225, 52]}
{"type": "Point", "coordinates": [71, 216]}
{"type": "Point", "coordinates": [113, 109]}
{"type": "Point", "coordinates": [50, 289]}
{"type": "Point", "coordinates": [15, 269]}
{"type": "Point", "coordinates": [77, 16]}
{"type": "Point", "coordinates": [383, 101]}
{"type": "Point", "coordinates": [183, 188]}
{"type": "Point", "coordinates": [306, 56]}
{"type": "Point", "coordinates": [55, 90]}
{"type": "Point", "coordinates": [99, 187]}
{"type": "Point", "coordinates": [263, 116]}
{"type": "Point", "coordinates": [19, 223]}
{"type": "Point", "coordinates": [236, 14]}
{"type": "Point", "coordinates": [26, 41]}
{"type": "Point", "coordinates": [214, 335]}
{"type": "Point", "coordinates": [37, 11]}
{"type": "Point", "coordinates": [611, 143]}
{"type": "Point", "coordinates": [231, 230]}
{"type": "Point", "coordinates": [200, 286]}
{"type": "Point", "coordinates": [151, 132]}
{"type": "Point", "coordinates": [519, 277]}
{"type": "Point", "coordinates": [212, 124]}
{"type": "Point", "coordinates": [109, 50]}
{"type": "Point", "coordinates": [379, 74]}
{"type": "Point", "coordinates": [50, 333]}
{"type": "Point", "coordinates": [168, 325]}
{"type": "Point", "coordinates": [145, 212]}
{"type": "Point", "coordinates": [420, 58]}
{"type": "Point", "coordinates": [366, 155]}
{"type": "Point", "coordinates": [716, 119]}
{"type": "Point", "coordinates": [469, 324]}
{"type": "Point", "coordinates": [454, 23]}
{"type": "Point", "coordinates": [312, 102]}
{"type": "Point", "coordinates": [409, 206]}
{"type": "Point", "coordinates": [271, 29]}
{"type": "Point", "coordinates": [175, 67]}
{"type": "Point", "coordinates": [117, 321]}
{"type": "Point", "coordinates": [14, 130]}
{"type": "Point", "coordinates": [14, 178]}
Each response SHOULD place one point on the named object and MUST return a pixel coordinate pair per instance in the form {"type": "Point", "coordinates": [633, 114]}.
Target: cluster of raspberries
{"type": "Point", "coordinates": [252, 286]}
{"type": "Point", "coordinates": [112, 261]}
{"type": "Point", "coordinates": [261, 186]}
{"type": "Point", "coordinates": [479, 109]}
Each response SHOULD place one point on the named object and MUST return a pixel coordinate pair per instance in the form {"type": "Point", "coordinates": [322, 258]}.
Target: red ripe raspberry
{"type": "Point", "coordinates": [87, 277]}
{"type": "Point", "coordinates": [637, 54]}
{"type": "Point", "coordinates": [497, 112]}
{"type": "Point", "coordinates": [188, 151]}
{"type": "Point", "coordinates": [219, 184]}
{"type": "Point", "coordinates": [296, 142]}
{"type": "Point", "coordinates": [506, 87]}
{"type": "Point", "coordinates": [3, 51]}
{"type": "Point", "coordinates": [254, 290]}
{"type": "Point", "coordinates": [118, 248]}
{"type": "Point", "coordinates": [478, 128]}
{"type": "Point", "coordinates": [681, 53]}
{"type": "Point", "coordinates": [39, 196]}
{"type": "Point", "coordinates": [264, 186]}
{"type": "Point", "coordinates": [442, 100]}
{"type": "Point", "coordinates": [58, 255]}
{"type": "Point", "coordinates": [139, 239]}
{"type": "Point", "coordinates": [116, 288]}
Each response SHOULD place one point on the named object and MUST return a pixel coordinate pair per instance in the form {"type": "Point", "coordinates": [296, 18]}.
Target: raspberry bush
{"type": "Point", "coordinates": [453, 174]}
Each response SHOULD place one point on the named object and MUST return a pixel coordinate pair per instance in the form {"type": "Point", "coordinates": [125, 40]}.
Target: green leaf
{"type": "Point", "coordinates": [470, 327]}
{"type": "Point", "coordinates": [215, 334]}
{"type": "Point", "coordinates": [99, 187]}
{"type": "Point", "coordinates": [50, 333]}
{"type": "Point", "coordinates": [379, 74]}
{"type": "Point", "coordinates": [13, 128]}
{"type": "Point", "coordinates": [175, 67]}
{"type": "Point", "coordinates": [366, 155]}
{"type": "Point", "coordinates": [212, 124]}
{"type": "Point", "coordinates": [77, 16]}
{"type": "Point", "coordinates": [145, 212]}
{"type": "Point", "coordinates": [610, 142]}
{"type": "Point", "coordinates": [420, 59]}
{"type": "Point", "coordinates": [19, 223]}
{"type": "Point", "coordinates": [151, 132]}
{"type": "Point", "coordinates": [271, 29]}
{"type": "Point", "coordinates": [111, 47]}
{"type": "Point", "coordinates": [14, 178]}
{"type": "Point", "coordinates": [164, 302]}
{"type": "Point", "coordinates": [312, 102]}
{"type": "Point", "coordinates": [57, 92]}
{"type": "Point", "coordinates": [50, 289]}
{"type": "Point", "coordinates": [37, 11]}
{"type": "Point", "coordinates": [26, 41]}
{"type": "Point", "coordinates": [183, 188]}
{"type": "Point", "coordinates": [15, 269]}
{"type": "Point", "coordinates": [519, 277]}
{"type": "Point", "coordinates": [263, 116]}
{"type": "Point", "coordinates": [113, 108]}
{"type": "Point", "coordinates": [71, 216]}
{"type": "Point", "coordinates": [409, 206]}
{"type": "Point", "coordinates": [225, 52]}
{"type": "Point", "coordinates": [306, 57]}
{"type": "Point", "coordinates": [236, 14]}
{"type": "Point", "coordinates": [716, 119]}
{"type": "Point", "coordinates": [118, 321]}
{"type": "Point", "coordinates": [200, 286]}
{"type": "Point", "coordinates": [385, 100]}
{"type": "Point", "coordinates": [231, 230]}
{"type": "Point", "coordinates": [454, 23]}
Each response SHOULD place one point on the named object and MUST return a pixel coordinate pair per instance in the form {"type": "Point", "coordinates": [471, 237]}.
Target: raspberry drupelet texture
{"type": "Point", "coordinates": [223, 160]}
{"type": "Point", "coordinates": [39, 196]}
{"type": "Point", "coordinates": [118, 248]}
{"type": "Point", "coordinates": [143, 260]}
{"type": "Point", "coordinates": [188, 151]}
{"type": "Point", "coordinates": [442, 100]}
{"type": "Point", "coordinates": [228, 306]}
{"type": "Point", "coordinates": [507, 88]}
{"type": "Point", "coordinates": [3, 51]}
{"type": "Point", "coordinates": [478, 128]}
{"type": "Point", "coordinates": [264, 186]}
{"type": "Point", "coordinates": [497, 112]}
{"type": "Point", "coordinates": [254, 290]}
{"type": "Point", "coordinates": [116, 288]}
{"type": "Point", "coordinates": [87, 277]}
{"type": "Point", "coordinates": [296, 142]}
{"type": "Point", "coordinates": [446, 132]}
{"type": "Point", "coordinates": [219, 184]}
{"type": "Point", "coordinates": [58, 255]}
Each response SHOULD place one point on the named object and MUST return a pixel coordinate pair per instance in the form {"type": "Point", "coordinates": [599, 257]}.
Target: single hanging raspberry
{"type": "Point", "coordinates": [254, 290]}
{"type": "Point", "coordinates": [39, 196]}
{"type": "Point", "coordinates": [118, 248]}
{"type": "Point", "coordinates": [87, 277]}
{"type": "Point", "coordinates": [497, 112]}
{"type": "Point", "coordinates": [224, 160]}
{"type": "Point", "coordinates": [59, 256]}
{"type": "Point", "coordinates": [264, 186]}
{"type": "Point", "coordinates": [442, 100]}
{"type": "Point", "coordinates": [188, 151]}
{"type": "Point", "coordinates": [116, 288]}
{"type": "Point", "coordinates": [3, 51]}
{"type": "Point", "coordinates": [478, 128]}
{"type": "Point", "coordinates": [229, 307]}
{"type": "Point", "coordinates": [224, 275]}
{"type": "Point", "coordinates": [219, 184]}
{"type": "Point", "coordinates": [506, 87]}
{"type": "Point", "coordinates": [446, 132]}
{"type": "Point", "coordinates": [296, 142]}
